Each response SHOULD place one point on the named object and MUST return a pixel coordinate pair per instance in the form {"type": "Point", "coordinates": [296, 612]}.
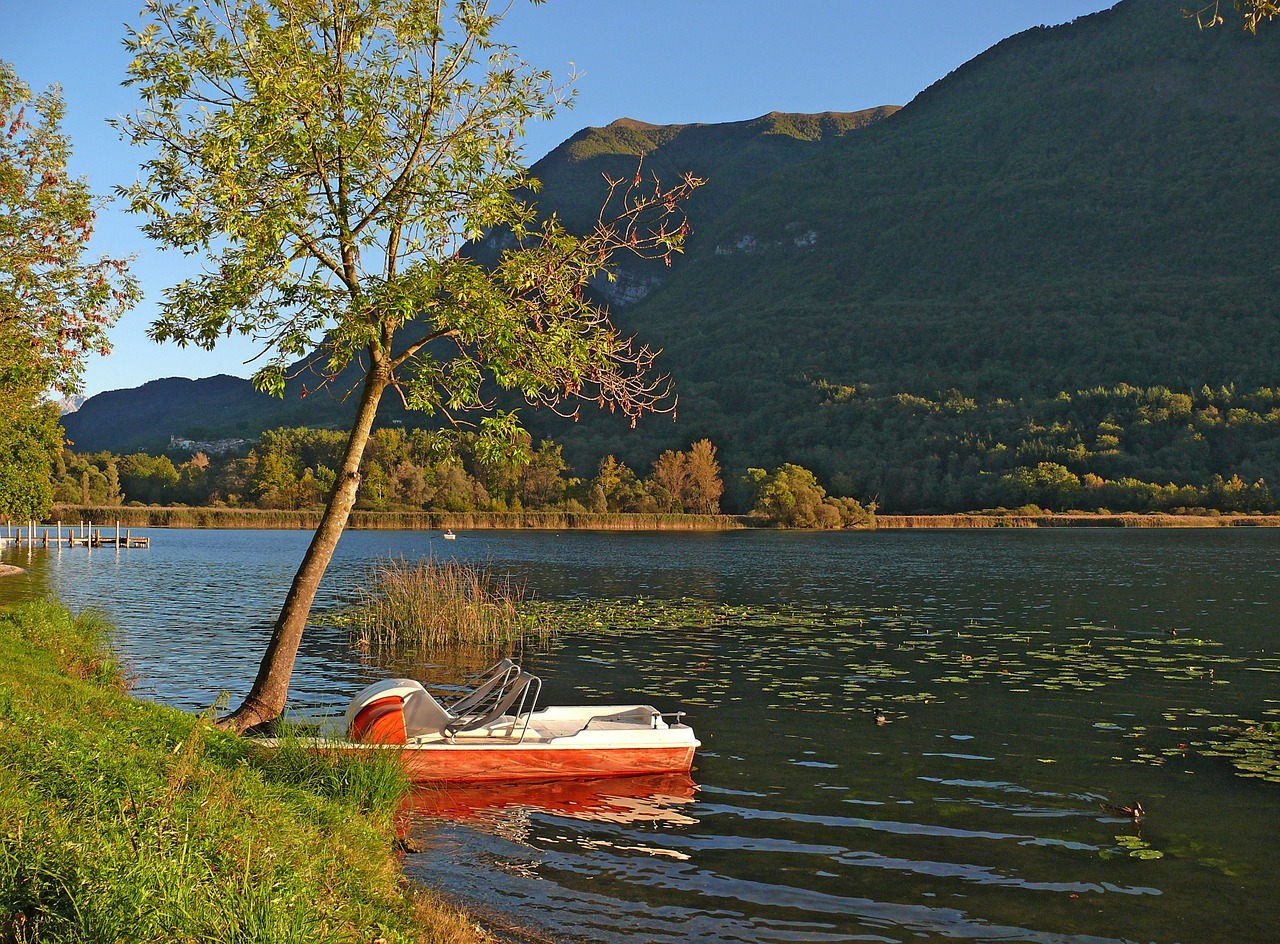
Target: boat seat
{"type": "Point", "coordinates": [492, 684]}
{"type": "Point", "coordinates": [517, 691]}
{"type": "Point", "coordinates": [424, 715]}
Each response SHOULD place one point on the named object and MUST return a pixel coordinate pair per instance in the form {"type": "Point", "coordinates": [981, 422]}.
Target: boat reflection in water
{"type": "Point", "coordinates": [657, 799]}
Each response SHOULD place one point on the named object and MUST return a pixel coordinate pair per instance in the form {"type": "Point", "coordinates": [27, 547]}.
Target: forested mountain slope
{"type": "Point", "coordinates": [1083, 206]}
{"type": "Point", "coordinates": [1060, 253]}
{"type": "Point", "coordinates": [734, 156]}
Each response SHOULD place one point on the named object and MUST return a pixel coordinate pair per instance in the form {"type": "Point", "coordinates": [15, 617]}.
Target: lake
{"type": "Point", "coordinates": [1024, 678]}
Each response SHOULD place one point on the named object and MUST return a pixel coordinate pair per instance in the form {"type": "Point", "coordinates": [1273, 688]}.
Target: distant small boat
{"type": "Point", "coordinates": [495, 732]}
{"type": "Point", "coordinates": [450, 536]}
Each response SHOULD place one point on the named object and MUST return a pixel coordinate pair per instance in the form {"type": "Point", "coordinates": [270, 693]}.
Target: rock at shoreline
{"type": "Point", "coordinates": [8, 570]}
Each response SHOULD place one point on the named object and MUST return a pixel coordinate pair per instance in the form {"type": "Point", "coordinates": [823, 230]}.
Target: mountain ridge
{"type": "Point", "coordinates": [1072, 209]}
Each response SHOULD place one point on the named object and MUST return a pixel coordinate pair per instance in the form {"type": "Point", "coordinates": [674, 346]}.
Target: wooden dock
{"type": "Point", "coordinates": [83, 535]}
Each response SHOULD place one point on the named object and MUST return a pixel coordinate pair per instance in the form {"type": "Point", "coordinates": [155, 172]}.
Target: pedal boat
{"type": "Point", "coordinates": [495, 731]}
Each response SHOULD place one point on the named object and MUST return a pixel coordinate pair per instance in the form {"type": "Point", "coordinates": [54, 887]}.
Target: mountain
{"type": "Point", "coordinates": [1086, 205]}
{"type": "Point", "coordinates": [735, 156]}
{"type": "Point", "coordinates": [147, 418]}
{"type": "Point", "coordinates": [916, 303]}
{"type": "Point", "coordinates": [69, 404]}
{"type": "Point", "coordinates": [732, 157]}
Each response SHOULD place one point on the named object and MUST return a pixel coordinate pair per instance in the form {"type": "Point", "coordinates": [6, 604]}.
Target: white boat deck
{"type": "Point", "coordinates": [580, 722]}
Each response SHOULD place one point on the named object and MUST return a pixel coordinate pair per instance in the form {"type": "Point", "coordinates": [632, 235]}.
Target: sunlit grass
{"type": "Point", "coordinates": [127, 821]}
{"type": "Point", "coordinates": [375, 781]}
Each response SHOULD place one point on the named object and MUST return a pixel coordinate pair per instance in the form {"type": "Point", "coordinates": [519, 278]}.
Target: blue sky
{"type": "Point", "coordinates": [663, 61]}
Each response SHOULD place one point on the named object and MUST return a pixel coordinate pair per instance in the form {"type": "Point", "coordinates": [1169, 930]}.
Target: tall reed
{"type": "Point", "coordinates": [435, 605]}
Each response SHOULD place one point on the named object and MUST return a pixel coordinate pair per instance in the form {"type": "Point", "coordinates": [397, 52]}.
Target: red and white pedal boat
{"type": "Point", "coordinates": [496, 732]}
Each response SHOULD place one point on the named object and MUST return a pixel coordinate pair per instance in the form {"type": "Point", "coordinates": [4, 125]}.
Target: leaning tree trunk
{"type": "Point", "coordinates": [266, 699]}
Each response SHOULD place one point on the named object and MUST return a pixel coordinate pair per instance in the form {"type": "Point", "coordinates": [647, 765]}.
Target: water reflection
{"type": "Point", "coordinates": [660, 799]}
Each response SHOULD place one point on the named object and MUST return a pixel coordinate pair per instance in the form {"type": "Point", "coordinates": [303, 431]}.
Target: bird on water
{"type": "Point", "coordinates": [1128, 812]}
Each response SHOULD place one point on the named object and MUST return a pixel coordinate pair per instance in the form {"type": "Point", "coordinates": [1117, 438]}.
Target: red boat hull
{"type": "Point", "coordinates": [527, 762]}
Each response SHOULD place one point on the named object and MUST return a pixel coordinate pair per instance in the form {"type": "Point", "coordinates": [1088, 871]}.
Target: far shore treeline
{"type": "Point", "coordinates": [419, 479]}
{"type": "Point", "coordinates": [1111, 451]}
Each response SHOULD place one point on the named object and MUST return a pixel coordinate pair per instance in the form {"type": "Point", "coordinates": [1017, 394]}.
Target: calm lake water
{"type": "Point", "coordinates": [1025, 677]}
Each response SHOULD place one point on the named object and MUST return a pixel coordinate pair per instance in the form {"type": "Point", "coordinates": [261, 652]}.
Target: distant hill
{"type": "Point", "coordinates": [1086, 205]}
{"type": "Point", "coordinates": [146, 418]}
{"type": "Point", "coordinates": [734, 156]}
{"type": "Point", "coordinates": [70, 404]}
{"type": "Point", "coordinates": [915, 303]}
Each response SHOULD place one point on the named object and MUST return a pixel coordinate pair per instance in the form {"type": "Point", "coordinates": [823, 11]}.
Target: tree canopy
{"type": "Point", "coordinates": [1253, 12]}
{"type": "Point", "coordinates": [55, 304]}
{"type": "Point", "coordinates": [332, 160]}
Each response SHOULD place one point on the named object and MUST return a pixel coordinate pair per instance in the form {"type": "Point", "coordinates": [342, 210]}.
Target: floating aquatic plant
{"type": "Point", "coordinates": [1253, 751]}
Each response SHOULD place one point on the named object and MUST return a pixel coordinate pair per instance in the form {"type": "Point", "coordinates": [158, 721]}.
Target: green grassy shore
{"type": "Point", "coordinates": [128, 821]}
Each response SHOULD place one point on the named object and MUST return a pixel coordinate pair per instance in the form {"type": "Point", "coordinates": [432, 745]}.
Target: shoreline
{"type": "Point", "coordinates": [143, 802]}
{"type": "Point", "coordinates": [979, 520]}
{"type": "Point", "coordinates": [307, 519]}
{"type": "Point", "coordinates": [105, 517]}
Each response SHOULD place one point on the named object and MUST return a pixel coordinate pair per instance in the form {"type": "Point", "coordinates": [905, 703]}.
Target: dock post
{"type": "Point", "coordinates": [117, 534]}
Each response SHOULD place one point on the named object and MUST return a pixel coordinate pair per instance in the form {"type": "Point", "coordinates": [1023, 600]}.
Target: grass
{"type": "Point", "coordinates": [127, 821]}
{"type": "Point", "coordinates": [436, 605]}
{"type": "Point", "coordinates": [374, 782]}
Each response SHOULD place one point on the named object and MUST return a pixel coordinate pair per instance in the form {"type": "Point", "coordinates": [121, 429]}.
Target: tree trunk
{"type": "Point", "coordinates": [266, 699]}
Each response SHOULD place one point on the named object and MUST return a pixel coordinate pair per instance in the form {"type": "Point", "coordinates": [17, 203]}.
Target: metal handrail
{"type": "Point", "coordinates": [519, 690]}
{"type": "Point", "coordinates": [534, 680]}
{"type": "Point", "coordinates": [493, 684]}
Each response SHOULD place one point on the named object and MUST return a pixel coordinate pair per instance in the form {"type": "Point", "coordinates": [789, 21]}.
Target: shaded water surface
{"type": "Point", "coordinates": [1024, 679]}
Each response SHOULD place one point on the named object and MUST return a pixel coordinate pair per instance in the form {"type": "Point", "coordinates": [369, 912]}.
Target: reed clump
{"type": "Point", "coordinates": [436, 605]}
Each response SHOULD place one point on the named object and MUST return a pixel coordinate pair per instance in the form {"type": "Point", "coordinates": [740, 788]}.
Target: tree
{"type": "Point", "coordinates": [55, 306]}
{"type": "Point", "coordinates": [331, 159]}
{"type": "Point", "coordinates": [543, 483]}
{"type": "Point", "coordinates": [691, 479]}
{"type": "Point", "coordinates": [30, 439]}
{"type": "Point", "coordinates": [670, 472]}
{"type": "Point", "coordinates": [1252, 12]}
{"type": "Point", "coordinates": [1047, 484]}
{"type": "Point", "coordinates": [703, 485]}
{"type": "Point", "coordinates": [791, 497]}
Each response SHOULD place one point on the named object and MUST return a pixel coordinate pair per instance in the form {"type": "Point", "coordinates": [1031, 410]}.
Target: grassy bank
{"type": "Point", "coordinates": [126, 821]}
{"type": "Point", "coordinates": [182, 517]}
